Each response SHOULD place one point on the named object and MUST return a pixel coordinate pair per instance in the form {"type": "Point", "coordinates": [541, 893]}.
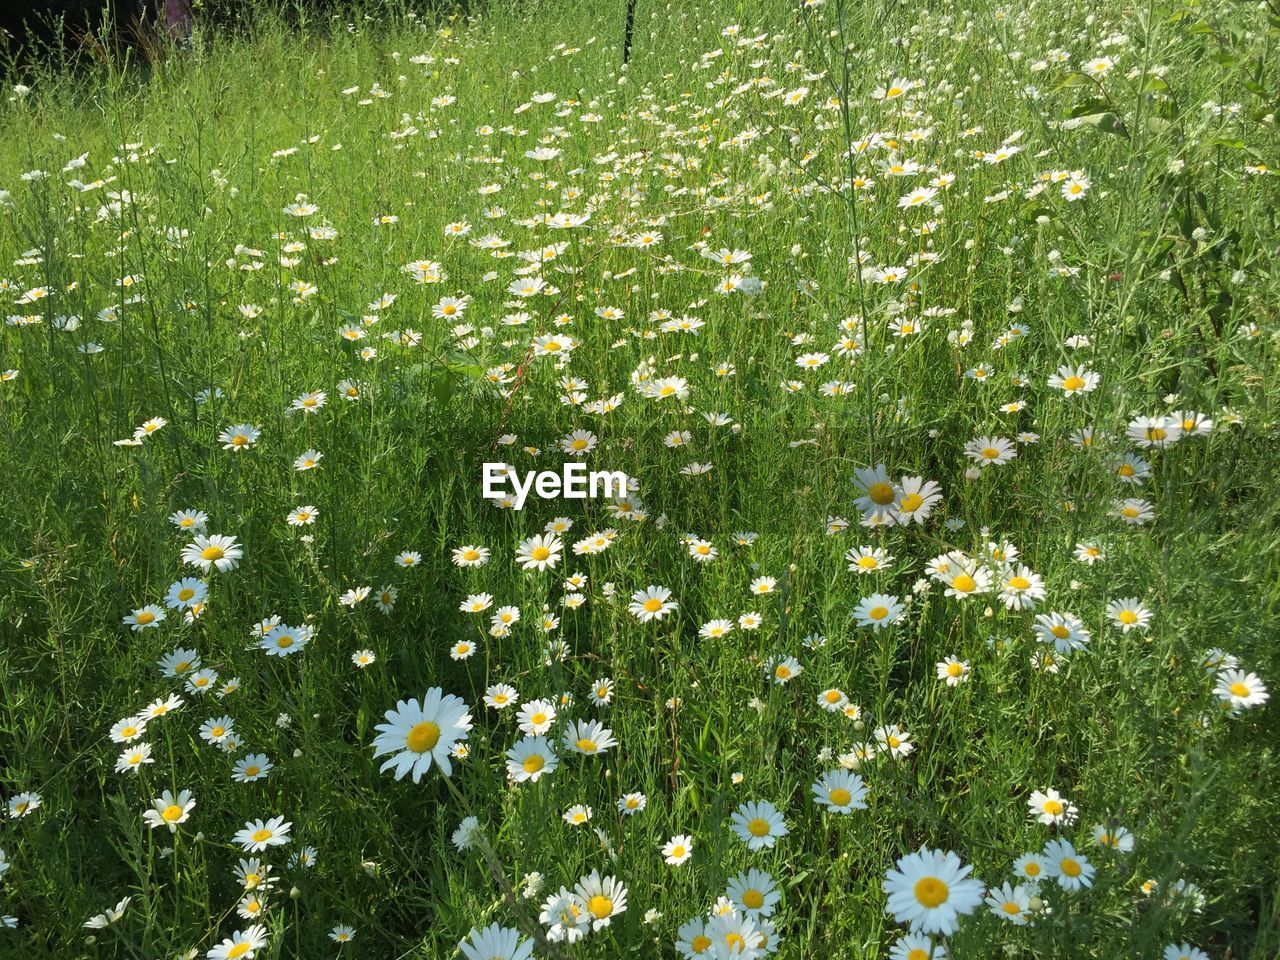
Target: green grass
{"type": "Point", "coordinates": [1174, 285]}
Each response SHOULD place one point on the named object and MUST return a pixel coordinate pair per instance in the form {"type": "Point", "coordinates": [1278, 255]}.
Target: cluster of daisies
{"type": "Point", "coordinates": [593, 303]}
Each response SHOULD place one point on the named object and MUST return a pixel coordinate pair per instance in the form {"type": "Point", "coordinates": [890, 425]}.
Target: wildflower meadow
{"type": "Point", "coordinates": [749, 479]}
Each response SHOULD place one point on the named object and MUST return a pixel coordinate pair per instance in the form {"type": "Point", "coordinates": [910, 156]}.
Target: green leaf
{"type": "Point", "coordinates": [1076, 80]}
{"type": "Point", "coordinates": [1106, 122]}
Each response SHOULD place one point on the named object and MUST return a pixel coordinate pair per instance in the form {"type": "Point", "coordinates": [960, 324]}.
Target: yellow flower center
{"type": "Point", "coordinates": [1060, 631]}
{"type": "Point", "coordinates": [212, 552]}
{"type": "Point", "coordinates": [931, 891]}
{"type": "Point", "coordinates": [954, 669]}
{"type": "Point", "coordinates": [1156, 433]}
{"type": "Point", "coordinates": [1127, 616]}
{"type": "Point", "coordinates": [539, 553]}
{"type": "Point", "coordinates": [753, 899]}
{"type": "Point", "coordinates": [586, 746]}
{"type": "Point", "coordinates": [1032, 869]}
{"type": "Point", "coordinates": [1070, 867]}
{"type": "Point", "coordinates": [1019, 583]}
{"type": "Point", "coordinates": [1011, 908]}
{"type": "Point", "coordinates": [1053, 807]}
{"type": "Point", "coordinates": [653, 605]}
{"type": "Point", "coordinates": [878, 613]}
{"type": "Point", "coordinates": [758, 827]}
{"type": "Point", "coordinates": [600, 906]}
{"type": "Point", "coordinates": [239, 950]}
{"type": "Point", "coordinates": [1239, 690]}
{"type": "Point", "coordinates": [1073, 383]}
{"type": "Point", "coordinates": [423, 737]}
{"type": "Point", "coordinates": [700, 944]}
{"type": "Point", "coordinates": [172, 813]}
{"type": "Point", "coordinates": [840, 796]}
{"type": "Point", "coordinates": [964, 583]}
{"type": "Point", "coordinates": [261, 835]}
{"type": "Point", "coordinates": [911, 501]}
{"type": "Point", "coordinates": [533, 763]}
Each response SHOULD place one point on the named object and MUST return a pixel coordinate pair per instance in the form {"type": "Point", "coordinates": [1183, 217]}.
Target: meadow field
{"type": "Point", "coordinates": [938, 343]}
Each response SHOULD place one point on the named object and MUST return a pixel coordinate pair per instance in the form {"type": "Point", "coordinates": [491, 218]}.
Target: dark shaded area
{"type": "Point", "coordinates": [44, 31]}
{"type": "Point", "coordinates": [70, 33]}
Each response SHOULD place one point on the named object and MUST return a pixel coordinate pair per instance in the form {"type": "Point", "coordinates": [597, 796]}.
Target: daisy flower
{"type": "Point", "coordinates": [840, 791]}
{"type": "Point", "coordinates": [930, 890]}
{"type": "Point", "coordinates": [539, 552]}
{"type": "Point", "coordinates": [496, 942]}
{"type": "Point", "coordinates": [605, 898]}
{"type": "Point", "coordinates": [1011, 903]}
{"type": "Point", "coordinates": [531, 759]}
{"type": "Point", "coordinates": [878, 611]}
{"type": "Point", "coordinates": [652, 603]}
{"type": "Point", "coordinates": [990, 451]}
{"type": "Point", "coordinates": [242, 945]}
{"type": "Point", "coordinates": [535, 717]}
{"type": "Point", "coordinates": [678, 850]}
{"type": "Point", "coordinates": [1129, 614]}
{"type": "Point", "coordinates": [1049, 807]}
{"type": "Point", "coordinates": [258, 835]}
{"type": "Point", "coordinates": [417, 733]}
{"type": "Point", "coordinates": [169, 811]}
{"type": "Point", "coordinates": [758, 824]}
{"type": "Point", "coordinates": [1072, 870]}
{"type": "Point", "coordinates": [1240, 690]}
{"type": "Point", "coordinates": [214, 551]}
{"type": "Point", "coordinates": [588, 737]}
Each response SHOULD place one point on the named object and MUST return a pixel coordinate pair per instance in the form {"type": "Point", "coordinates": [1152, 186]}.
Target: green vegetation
{"type": "Point", "coordinates": [941, 347]}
